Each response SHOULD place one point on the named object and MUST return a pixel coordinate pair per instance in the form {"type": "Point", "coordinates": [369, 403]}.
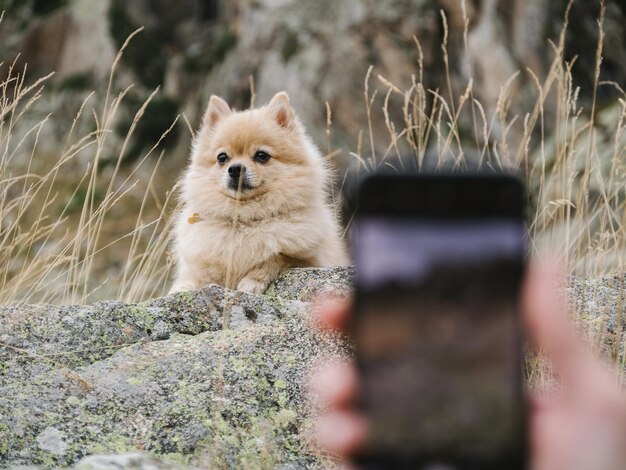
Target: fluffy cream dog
{"type": "Point", "coordinates": [254, 201]}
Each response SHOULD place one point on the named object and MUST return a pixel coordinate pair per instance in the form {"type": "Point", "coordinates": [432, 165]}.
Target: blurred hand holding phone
{"type": "Point", "coordinates": [437, 326]}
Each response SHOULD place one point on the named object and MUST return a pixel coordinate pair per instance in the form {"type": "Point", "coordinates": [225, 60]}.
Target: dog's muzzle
{"type": "Point", "coordinates": [237, 177]}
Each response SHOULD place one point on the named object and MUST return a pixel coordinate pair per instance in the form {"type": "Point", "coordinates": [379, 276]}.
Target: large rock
{"type": "Point", "coordinates": [599, 308]}
{"type": "Point", "coordinates": [163, 384]}
{"type": "Point", "coordinates": [166, 378]}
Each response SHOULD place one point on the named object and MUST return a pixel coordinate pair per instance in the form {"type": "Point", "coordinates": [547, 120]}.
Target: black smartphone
{"type": "Point", "coordinates": [438, 337]}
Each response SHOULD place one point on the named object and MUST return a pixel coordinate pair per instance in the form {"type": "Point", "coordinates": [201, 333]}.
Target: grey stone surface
{"type": "Point", "coordinates": [308, 284]}
{"type": "Point", "coordinates": [165, 379]}
{"type": "Point", "coordinates": [125, 461]}
{"type": "Point", "coordinates": [162, 385]}
{"type": "Point", "coordinates": [599, 307]}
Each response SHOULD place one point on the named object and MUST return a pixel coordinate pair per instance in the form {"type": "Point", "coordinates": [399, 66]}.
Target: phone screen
{"type": "Point", "coordinates": [437, 335]}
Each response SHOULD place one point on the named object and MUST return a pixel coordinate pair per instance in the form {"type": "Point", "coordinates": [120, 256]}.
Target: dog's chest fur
{"type": "Point", "coordinates": [223, 252]}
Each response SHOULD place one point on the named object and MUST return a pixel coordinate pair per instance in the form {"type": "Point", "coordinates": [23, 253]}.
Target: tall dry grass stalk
{"type": "Point", "coordinates": [572, 156]}
{"type": "Point", "coordinates": [45, 256]}
{"type": "Point", "coordinates": [576, 180]}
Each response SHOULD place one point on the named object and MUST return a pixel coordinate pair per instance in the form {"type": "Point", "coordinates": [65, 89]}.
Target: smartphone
{"type": "Point", "coordinates": [437, 330]}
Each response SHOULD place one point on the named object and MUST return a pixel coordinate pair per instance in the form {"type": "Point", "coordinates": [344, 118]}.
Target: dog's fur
{"type": "Point", "coordinates": [242, 234]}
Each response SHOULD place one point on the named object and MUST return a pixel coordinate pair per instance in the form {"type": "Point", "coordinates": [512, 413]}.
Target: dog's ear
{"type": "Point", "coordinates": [282, 112]}
{"type": "Point", "coordinates": [217, 110]}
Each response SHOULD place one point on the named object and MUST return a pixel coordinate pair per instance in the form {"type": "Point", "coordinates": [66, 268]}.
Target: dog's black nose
{"type": "Point", "coordinates": [236, 170]}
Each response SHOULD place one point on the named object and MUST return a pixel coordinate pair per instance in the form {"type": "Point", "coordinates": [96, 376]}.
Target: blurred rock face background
{"type": "Point", "coordinates": [318, 51]}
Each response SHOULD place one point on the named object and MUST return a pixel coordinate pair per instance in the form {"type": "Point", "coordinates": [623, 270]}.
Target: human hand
{"type": "Point", "coordinates": [582, 425]}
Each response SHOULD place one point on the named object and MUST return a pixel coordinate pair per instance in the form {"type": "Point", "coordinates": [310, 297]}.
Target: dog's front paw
{"type": "Point", "coordinates": [252, 286]}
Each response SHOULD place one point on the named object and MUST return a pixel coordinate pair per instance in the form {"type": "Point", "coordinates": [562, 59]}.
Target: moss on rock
{"type": "Point", "coordinates": [82, 380]}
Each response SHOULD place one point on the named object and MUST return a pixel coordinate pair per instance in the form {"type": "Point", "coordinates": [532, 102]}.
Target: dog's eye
{"type": "Point", "coordinates": [222, 158]}
{"type": "Point", "coordinates": [261, 156]}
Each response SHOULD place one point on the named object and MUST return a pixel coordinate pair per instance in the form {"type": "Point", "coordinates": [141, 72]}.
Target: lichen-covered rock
{"type": "Point", "coordinates": [134, 461]}
{"type": "Point", "coordinates": [84, 334]}
{"type": "Point", "coordinates": [166, 378]}
{"type": "Point", "coordinates": [163, 384]}
{"type": "Point", "coordinates": [599, 305]}
{"type": "Point", "coordinates": [308, 284]}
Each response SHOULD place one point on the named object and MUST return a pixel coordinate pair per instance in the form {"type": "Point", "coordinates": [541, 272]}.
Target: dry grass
{"type": "Point", "coordinates": [48, 255]}
{"type": "Point", "coordinates": [571, 155]}
{"type": "Point", "coordinates": [572, 158]}
{"type": "Point", "coordinates": [575, 176]}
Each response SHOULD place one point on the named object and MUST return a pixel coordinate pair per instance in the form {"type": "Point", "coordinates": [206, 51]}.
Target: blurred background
{"type": "Point", "coordinates": [91, 153]}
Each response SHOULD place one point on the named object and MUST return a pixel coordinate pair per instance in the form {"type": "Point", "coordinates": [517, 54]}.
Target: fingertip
{"type": "Point", "coordinates": [341, 433]}
{"type": "Point", "coordinates": [543, 310]}
{"type": "Point", "coordinates": [334, 384]}
{"type": "Point", "coordinates": [332, 313]}
{"type": "Point", "coordinates": [551, 330]}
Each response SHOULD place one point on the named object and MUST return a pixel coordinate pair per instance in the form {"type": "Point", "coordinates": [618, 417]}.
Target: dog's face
{"type": "Point", "coordinates": [251, 156]}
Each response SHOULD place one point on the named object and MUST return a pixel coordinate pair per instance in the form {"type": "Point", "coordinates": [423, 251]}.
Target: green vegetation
{"type": "Point", "coordinates": [77, 82]}
{"type": "Point", "coordinates": [291, 45]}
{"type": "Point", "coordinates": [44, 7]}
{"type": "Point", "coordinates": [157, 118]}
{"type": "Point", "coordinates": [144, 55]}
{"type": "Point", "coordinates": [212, 53]}
{"type": "Point", "coordinates": [38, 7]}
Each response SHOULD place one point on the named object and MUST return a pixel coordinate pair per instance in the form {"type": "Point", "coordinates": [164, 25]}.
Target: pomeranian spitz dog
{"type": "Point", "coordinates": [254, 201]}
